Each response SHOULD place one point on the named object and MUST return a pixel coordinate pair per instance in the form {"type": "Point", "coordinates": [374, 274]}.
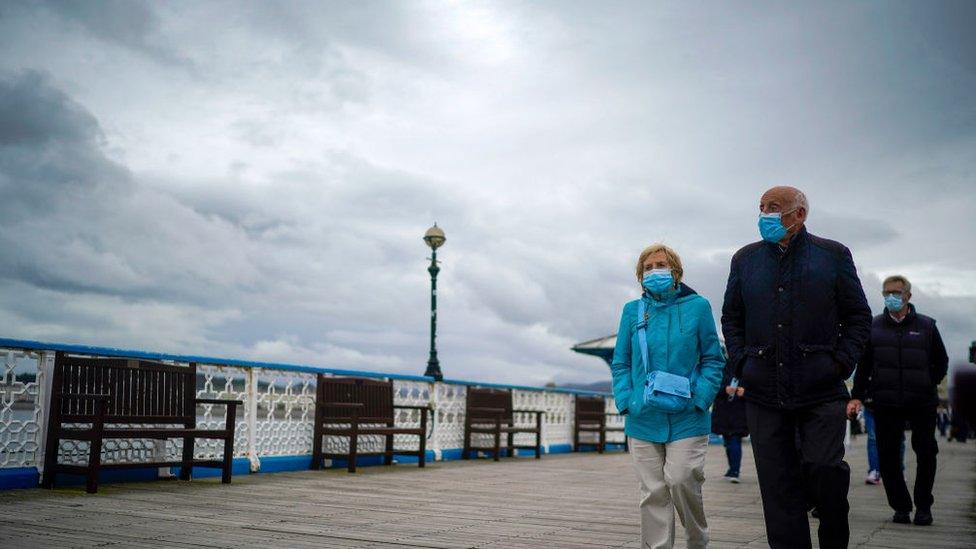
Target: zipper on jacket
{"type": "Point", "coordinates": [667, 342]}
{"type": "Point", "coordinates": [901, 370]}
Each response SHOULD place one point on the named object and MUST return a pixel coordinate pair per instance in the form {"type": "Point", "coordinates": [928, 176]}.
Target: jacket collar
{"type": "Point", "coordinates": [909, 318]}
{"type": "Point", "coordinates": [798, 241]}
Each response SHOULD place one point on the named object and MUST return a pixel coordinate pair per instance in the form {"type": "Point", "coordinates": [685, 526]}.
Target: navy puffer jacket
{"type": "Point", "coordinates": [795, 321]}
{"type": "Point", "coordinates": [903, 363]}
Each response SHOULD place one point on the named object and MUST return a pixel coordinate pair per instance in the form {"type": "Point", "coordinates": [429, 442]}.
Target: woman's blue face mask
{"type": "Point", "coordinates": [658, 281]}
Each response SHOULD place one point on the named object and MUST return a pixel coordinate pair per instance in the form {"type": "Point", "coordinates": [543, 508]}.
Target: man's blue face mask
{"type": "Point", "coordinates": [771, 226]}
{"type": "Point", "coordinates": [658, 281]}
{"type": "Point", "coordinates": [893, 302]}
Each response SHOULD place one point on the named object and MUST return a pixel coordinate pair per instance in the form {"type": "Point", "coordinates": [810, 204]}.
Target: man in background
{"type": "Point", "coordinates": [898, 379]}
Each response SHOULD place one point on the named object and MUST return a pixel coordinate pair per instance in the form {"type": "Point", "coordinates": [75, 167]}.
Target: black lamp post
{"type": "Point", "coordinates": [434, 237]}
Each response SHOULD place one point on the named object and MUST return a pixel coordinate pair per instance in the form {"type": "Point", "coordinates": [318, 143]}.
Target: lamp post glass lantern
{"type": "Point", "coordinates": [434, 237]}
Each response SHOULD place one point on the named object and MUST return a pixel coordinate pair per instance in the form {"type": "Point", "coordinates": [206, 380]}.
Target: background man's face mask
{"type": "Point", "coordinates": [894, 302]}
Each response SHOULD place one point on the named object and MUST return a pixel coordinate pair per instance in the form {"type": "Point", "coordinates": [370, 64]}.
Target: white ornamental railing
{"type": "Point", "coordinates": [276, 420]}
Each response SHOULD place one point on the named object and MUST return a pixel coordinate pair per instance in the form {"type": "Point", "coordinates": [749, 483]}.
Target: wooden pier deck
{"type": "Point", "coordinates": [576, 500]}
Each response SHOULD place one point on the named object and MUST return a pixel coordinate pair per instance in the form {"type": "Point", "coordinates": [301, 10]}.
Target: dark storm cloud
{"type": "Point", "coordinates": [132, 25]}
{"type": "Point", "coordinates": [74, 220]}
{"type": "Point", "coordinates": [49, 148]}
{"type": "Point", "coordinates": [33, 114]}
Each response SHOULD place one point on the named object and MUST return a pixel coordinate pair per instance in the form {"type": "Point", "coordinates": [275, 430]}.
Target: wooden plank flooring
{"type": "Point", "coordinates": [570, 501]}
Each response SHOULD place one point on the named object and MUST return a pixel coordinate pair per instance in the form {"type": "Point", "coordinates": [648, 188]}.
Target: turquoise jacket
{"type": "Point", "coordinates": [681, 336]}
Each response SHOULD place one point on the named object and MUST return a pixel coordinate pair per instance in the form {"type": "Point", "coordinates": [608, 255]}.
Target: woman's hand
{"type": "Point", "coordinates": [730, 390]}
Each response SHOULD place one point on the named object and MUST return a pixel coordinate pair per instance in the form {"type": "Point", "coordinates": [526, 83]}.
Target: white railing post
{"type": "Point", "coordinates": [546, 420]}
{"type": "Point", "coordinates": [251, 414]}
{"type": "Point", "coordinates": [433, 442]}
{"type": "Point", "coordinates": [45, 377]}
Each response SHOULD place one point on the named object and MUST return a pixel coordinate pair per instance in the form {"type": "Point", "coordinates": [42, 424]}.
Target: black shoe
{"type": "Point", "coordinates": [902, 517]}
{"type": "Point", "coordinates": [923, 517]}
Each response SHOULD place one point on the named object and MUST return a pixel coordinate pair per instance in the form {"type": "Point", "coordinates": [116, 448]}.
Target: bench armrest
{"type": "Point", "coordinates": [218, 401]}
{"type": "Point", "coordinates": [413, 407]}
{"type": "Point", "coordinates": [487, 410]}
{"type": "Point", "coordinates": [593, 414]}
{"type": "Point", "coordinates": [344, 404]}
{"type": "Point", "coordinates": [536, 412]}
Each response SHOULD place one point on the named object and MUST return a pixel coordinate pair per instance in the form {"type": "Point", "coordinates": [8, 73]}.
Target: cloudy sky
{"type": "Point", "coordinates": [252, 180]}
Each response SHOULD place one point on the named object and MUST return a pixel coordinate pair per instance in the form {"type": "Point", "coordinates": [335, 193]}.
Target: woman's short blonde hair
{"type": "Point", "coordinates": [673, 258]}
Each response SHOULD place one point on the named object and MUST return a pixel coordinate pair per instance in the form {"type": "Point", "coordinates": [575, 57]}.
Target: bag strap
{"type": "Point", "coordinates": [642, 332]}
{"type": "Point", "coordinates": [642, 340]}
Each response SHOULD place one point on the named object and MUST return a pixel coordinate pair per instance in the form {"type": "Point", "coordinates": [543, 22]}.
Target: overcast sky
{"type": "Point", "coordinates": [252, 180]}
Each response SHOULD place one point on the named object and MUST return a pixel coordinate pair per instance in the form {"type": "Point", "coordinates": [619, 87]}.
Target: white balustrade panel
{"type": "Point", "coordinates": [449, 402]}
{"type": "Point", "coordinates": [21, 409]}
{"type": "Point", "coordinates": [558, 426]}
{"type": "Point", "coordinates": [223, 382]}
{"type": "Point", "coordinates": [412, 393]}
{"type": "Point", "coordinates": [614, 421]}
{"type": "Point", "coordinates": [285, 412]}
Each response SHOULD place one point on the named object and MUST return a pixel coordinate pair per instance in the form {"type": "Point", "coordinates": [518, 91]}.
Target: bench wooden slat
{"type": "Point", "coordinates": [372, 431]}
{"type": "Point", "coordinates": [476, 429]}
{"type": "Point", "coordinates": [125, 419]}
{"type": "Point", "coordinates": [83, 469]}
{"type": "Point", "coordinates": [162, 433]}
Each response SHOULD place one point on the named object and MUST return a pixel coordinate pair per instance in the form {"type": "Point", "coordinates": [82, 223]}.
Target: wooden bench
{"type": "Point", "coordinates": [491, 411]}
{"type": "Point", "coordinates": [352, 407]}
{"type": "Point", "coordinates": [128, 398]}
{"type": "Point", "coordinates": [591, 417]}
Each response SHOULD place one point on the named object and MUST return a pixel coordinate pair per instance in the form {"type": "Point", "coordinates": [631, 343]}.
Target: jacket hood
{"type": "Point", "coordinates": [685, 290]}
{"type": "Point", "coordinates": [679, 294]}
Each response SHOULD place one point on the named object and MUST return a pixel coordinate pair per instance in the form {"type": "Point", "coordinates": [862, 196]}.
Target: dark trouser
{"type": "Point", "coordinates": [800, 454]}
{"type": "Point", "coordinates": [889, 424]}
{"type": "Point", "coordinates": [733, 452]}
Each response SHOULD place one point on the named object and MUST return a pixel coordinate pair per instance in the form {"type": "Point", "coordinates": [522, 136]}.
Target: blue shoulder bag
{"type": "Point", "coordinates": [663, 391]}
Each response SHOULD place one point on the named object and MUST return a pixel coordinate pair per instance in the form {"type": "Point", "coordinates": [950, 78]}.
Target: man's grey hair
{"type": "Point", "coordinates": [898, 278]}
{"type": "Point", "coordinates": [800, 201]}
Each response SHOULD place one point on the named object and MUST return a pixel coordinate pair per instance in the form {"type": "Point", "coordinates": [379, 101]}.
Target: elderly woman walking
{"type": "Point", "coordinates": [667, 367]}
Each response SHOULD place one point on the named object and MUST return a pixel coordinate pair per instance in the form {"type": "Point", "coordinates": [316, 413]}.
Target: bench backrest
{"type": "Point", "coordinates": [590, 405]}
{"type": "Point", "coordinates": [375, 395]}
{"type": "Point", "coordinates": [139, 391]}
{"type": "Point", "coordinates": [488, 398]}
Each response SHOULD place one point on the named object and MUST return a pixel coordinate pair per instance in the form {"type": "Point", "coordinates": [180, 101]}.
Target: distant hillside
{"type": "Point", "coordinates": [603, 386]}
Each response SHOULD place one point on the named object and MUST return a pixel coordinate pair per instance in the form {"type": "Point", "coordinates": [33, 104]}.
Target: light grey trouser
{"type": "Point", "coordinates": [670, 477]}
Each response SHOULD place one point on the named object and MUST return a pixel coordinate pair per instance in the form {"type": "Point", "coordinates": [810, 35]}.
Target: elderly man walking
{"type": "Point", "coordinates": [897, 378]}
{"type": "Point", "coordinates": [795, 321]}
